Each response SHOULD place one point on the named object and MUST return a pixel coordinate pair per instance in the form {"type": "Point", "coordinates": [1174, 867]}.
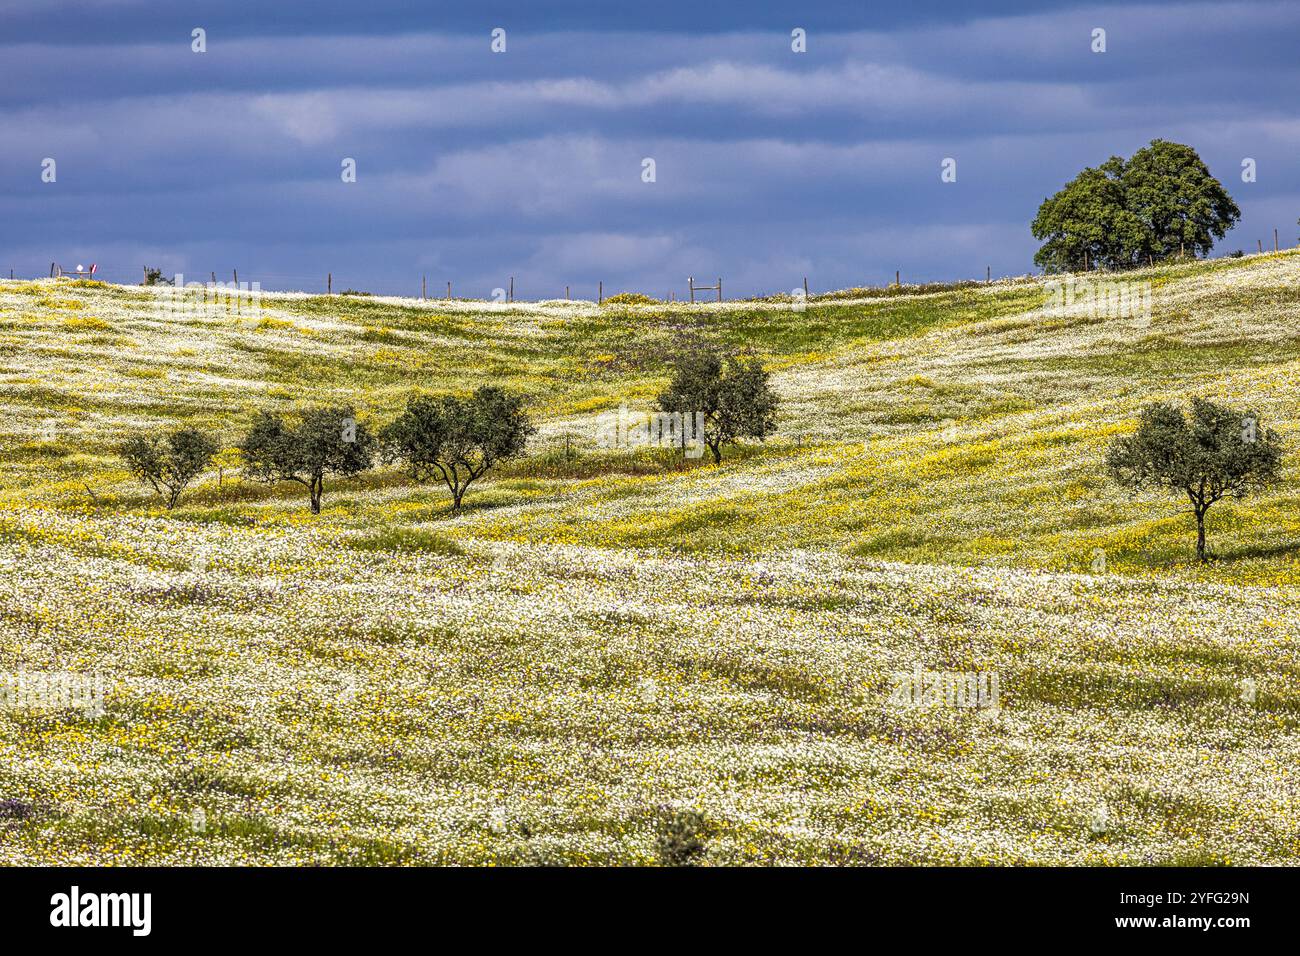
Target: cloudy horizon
{"type": "Point", "coordinates": [474, 166]}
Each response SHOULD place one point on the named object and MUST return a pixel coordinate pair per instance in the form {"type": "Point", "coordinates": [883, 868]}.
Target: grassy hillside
{"type": "Point", "coordinates": [602, 637]}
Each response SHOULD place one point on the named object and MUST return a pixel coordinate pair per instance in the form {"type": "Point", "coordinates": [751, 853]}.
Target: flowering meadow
{"type": "Point", "coordinates": [604, 638]}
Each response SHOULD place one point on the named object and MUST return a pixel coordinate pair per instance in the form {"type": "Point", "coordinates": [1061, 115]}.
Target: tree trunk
{"type": "Point", "coordinates": [317, 489]}
{"type": "Point", "coordinates": [717, 453]}
{"type": "Point", "coordinates": [1200, 535]}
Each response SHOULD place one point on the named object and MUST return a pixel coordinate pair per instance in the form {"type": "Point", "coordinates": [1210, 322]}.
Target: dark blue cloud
{"type": "Point", "coordinates": [93, 21]}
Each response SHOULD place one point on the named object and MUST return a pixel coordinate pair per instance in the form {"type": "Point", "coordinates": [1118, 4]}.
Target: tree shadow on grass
{"type": "Point", "coordinates": [1257, 551]}
{"type": "Point", "coordinates": [442, 511]}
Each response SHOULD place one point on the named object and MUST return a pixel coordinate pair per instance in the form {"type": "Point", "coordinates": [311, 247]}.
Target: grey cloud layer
{"type": "Point", "coordinates": [768, 162]}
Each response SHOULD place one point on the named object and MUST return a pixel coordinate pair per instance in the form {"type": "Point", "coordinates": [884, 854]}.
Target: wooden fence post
{"type": "Point", "coordinates": [329, 283]}
{"type": "Point", "coordinates": [512, 289]}
{"type": "Point", "coordinates": [1275, 240]}
{"type": "Point", "coordinates": [988, 273]}
{"type": "Point", "coordinates": [600, 293]}
{"type": "Point", "coordinates": [719, 288]}
{"type": "Point", "coordinates": [805, 287]}
{"type": "Point", "coordinates": [897, 281]}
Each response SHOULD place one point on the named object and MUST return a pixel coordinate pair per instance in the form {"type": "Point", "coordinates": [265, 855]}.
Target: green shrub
{"type": "Point", "coordinates": [683, 841]}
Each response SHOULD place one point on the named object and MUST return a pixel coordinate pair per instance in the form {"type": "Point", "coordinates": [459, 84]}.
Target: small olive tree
{"type": "Point", "coordinates": [168, 462]}
{"type": "Point", "coordinates": [734, 396]}
{"type": "Point", "coordinates": [1217, 453]}
{"type": "Point", "coordinates": [324, 441]}
{"type": "Point", "coordinates": [458, 440]}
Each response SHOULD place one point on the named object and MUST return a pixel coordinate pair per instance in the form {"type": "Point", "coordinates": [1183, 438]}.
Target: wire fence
{"type": "Point", "coordinates": [323, 283]}
{"type": "Point", "coordinates": [329, 282]}
{"type": "Point", "coordinates": [269, 281]}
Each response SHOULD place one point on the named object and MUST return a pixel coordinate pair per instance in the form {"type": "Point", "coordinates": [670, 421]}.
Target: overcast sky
{"type": "Point", "coordinates": [474, 166]}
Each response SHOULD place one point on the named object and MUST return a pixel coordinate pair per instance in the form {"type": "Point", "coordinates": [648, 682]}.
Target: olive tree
{"type": "Point", "coordinates": [1218, 452]}
{"type": "Point", "coordinates": [733, 395]}
{"type": "Point", "coordinates": [326, 440]}
{"type": "Point", "coordinates": [168, 462]}
{"type": "Point", "coordinates": [458, 440]}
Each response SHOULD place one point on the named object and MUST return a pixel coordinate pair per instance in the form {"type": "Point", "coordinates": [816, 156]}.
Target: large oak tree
{"type": "Point", "coordinates": [1157, 205]}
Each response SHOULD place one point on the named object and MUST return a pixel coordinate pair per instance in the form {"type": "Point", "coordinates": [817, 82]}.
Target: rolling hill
{"type": "Point", "coordinates": [605, 636]}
